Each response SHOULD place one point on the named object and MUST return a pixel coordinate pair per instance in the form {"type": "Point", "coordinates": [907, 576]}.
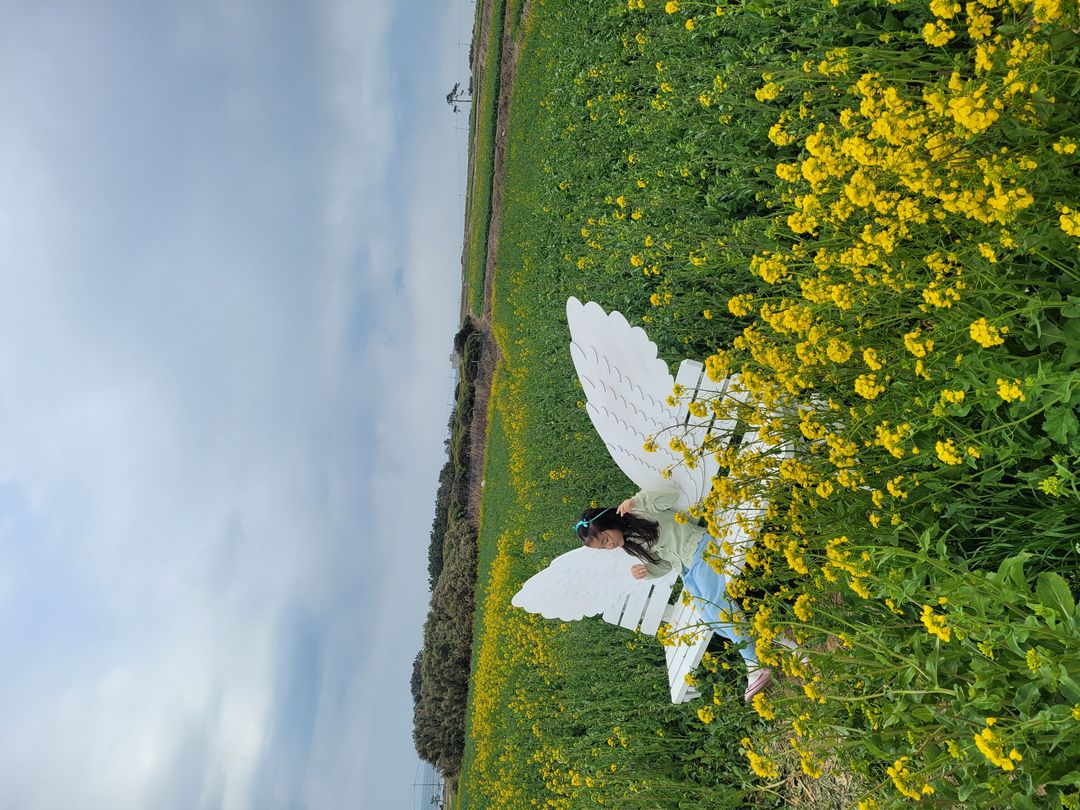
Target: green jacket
{"type": "Point", "coordinates": [678, 542]}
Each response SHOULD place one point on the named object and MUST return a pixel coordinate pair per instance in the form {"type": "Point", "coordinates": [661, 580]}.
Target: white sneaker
{"type": "Point", "coordinates": [756, 681]}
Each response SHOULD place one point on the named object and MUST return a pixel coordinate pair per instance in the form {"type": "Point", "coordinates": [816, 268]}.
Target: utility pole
{"type": "Point", "coordinates": [457, 96]}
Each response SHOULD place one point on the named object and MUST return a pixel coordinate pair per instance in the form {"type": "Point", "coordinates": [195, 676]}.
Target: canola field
{"type": "Point", "coordinates": [869, 212]}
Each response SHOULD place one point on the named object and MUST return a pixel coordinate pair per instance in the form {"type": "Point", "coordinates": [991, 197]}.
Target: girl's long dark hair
{"type": "Point", "coordinates": [639, 533]}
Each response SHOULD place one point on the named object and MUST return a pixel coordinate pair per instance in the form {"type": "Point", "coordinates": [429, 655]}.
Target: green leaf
{"type": "Point", "coordinates": [1053, 592]}
{"type": "Point", "coordinates": [1025, 697]}
{"type": "Point", "coordinates": [922, 714]}
{"type": "Point", "coordinates": [1069, 687]}
{"type": "Point", "coordinates": [1072, 308]}
{"type": "Point", "coordinates": [1072, 332]}
{"type": "Point", "coordinates": [965, 789]}
{"type": "Point", "coordinates": [1060, 423]}
{"type": "Point", "coordinates": [1013, 643]}
{"type": "Point", "coordinates": [1069, 386]}
{"type": "Point", "coordinates": [932, 667]}
{"type": "Point", "coordinates": [1011, 572]}
{"type": "Point", "coordinates": [873, 748]}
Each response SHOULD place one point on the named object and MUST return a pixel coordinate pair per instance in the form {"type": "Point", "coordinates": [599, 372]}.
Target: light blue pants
{"type": "Point", "coordinates": [711, 589]}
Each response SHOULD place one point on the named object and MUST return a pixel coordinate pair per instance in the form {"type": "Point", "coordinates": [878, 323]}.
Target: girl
{"type": "Point", "coordinates": [645, 527]}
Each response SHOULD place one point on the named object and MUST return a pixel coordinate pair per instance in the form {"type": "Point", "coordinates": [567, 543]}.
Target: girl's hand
{"type": "Point", "coordinates": [639, 571]}
{"type": "Point", "coordinates": [624, 507]}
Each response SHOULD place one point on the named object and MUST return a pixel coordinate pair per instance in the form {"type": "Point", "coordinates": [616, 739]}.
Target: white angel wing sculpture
{"type": "Point", "coordinates": [627, 387]}
{"type": "Point", "coordinates": [592, 581]}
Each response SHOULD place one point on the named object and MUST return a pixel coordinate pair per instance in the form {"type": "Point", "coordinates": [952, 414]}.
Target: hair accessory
{"type": "Point", "coordinates": [584, 523]}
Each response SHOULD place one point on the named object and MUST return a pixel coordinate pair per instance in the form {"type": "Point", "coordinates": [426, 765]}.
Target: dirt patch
{"type": "Point", "coordinates": [507, 71]}
{"type": "Point", "coordinates": [480, 53]}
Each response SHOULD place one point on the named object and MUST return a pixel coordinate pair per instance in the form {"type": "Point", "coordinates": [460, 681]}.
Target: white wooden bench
{"type": "Point", "coordinates": [688, 636]}
{"type": "Point", "coordinates": [691, 638]}
{"type": "Point", "coordinates": [627, 389]}
{"type": "Point", "coordinates": [645, 611]}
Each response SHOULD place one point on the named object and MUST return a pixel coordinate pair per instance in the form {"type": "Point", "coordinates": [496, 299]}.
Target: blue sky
{"type": "Point", "coordinates": [230, 237]}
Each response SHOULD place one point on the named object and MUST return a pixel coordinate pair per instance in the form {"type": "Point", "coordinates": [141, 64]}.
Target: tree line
{"type": "Point", "coordinates": [441, 670]}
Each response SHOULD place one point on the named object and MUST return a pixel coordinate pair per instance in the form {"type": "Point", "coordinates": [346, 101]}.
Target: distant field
{"type": "Point", "coordinates": [876, 219]}
{"type": "Point", "coordinates": [487, 35]}
{"type": "Point", "coordinates": [482, 123]}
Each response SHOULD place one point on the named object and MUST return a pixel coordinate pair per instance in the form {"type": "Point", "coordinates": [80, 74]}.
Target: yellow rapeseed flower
{"type": "Point", "coordinates": [812, 693]}
{"type": "Point", "coordinates": [895, 489]}
{"type": "Point", "coordinates": [937, 34]}
{"type": "Point", "coordinates": [768, 267]}
{"type": "Point", "coordinates": [867, 386]}
{"type": "Point", "coordinates": [987, 335]}
{"type": "Point", "coordinates": [901, 778]}
{"type": "Point", "coordinates": [778, 135]}
{"type": "Point", "coordinates": [935, 624]}
{"type": "Point", "coordinates": [740, 305]}
{"type": "Point", "coordinates": [1045, 11]}
{"type": "Point", "coordinates": [890, 438]}
{"type": "Point", "coordinates": [764, 707]}
{"type": "Point", "coordinates": [768, 91]}
{"type": "Point", "coordinates": [838, 351]}
{"type": "Point", "coordinates": [802, 607]}
{"type": "Point", "coordinates": [917, 347]}
{"type": "Point", "coordinates": [948, 452]}
{"type": "Point", "coordinates": [993, 749]}
{"type": "Point", "coordinates": [762, 766]}
{"type": "Point", "coordinates": [972, 112]}
{"type": "Point", "coordinates": [1070, 219]}
{"type": "Point", "coordinates": [946, 9]}
{"type": "Point", "coordinates": [1010, 391]}
{"type": "Point", "coordinates": [789, 172]}
{"type": "Point", "coordinates": [870, 357]}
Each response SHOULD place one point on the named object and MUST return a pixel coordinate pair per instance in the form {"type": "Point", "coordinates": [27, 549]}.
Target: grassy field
{"type": "Point", "coordinates": [482, 133]}
{"type": "Point", "coordinates": [481, 153]}
{"type": "Point", "coordinates": [875, 224]}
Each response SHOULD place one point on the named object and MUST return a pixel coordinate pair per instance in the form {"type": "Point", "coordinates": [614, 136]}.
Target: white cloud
{"type": "Point", "coordinates": [106, 739]}
{"type": "Point", "coordinates": [356, 64]}
{"type": "Point", "coordinates": [139, 451]}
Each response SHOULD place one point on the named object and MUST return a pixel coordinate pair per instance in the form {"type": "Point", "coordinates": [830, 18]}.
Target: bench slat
{"type": "Point", "coordinates": [635, 606]}
{"type": "Point", "coordinates": [683, 659]}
